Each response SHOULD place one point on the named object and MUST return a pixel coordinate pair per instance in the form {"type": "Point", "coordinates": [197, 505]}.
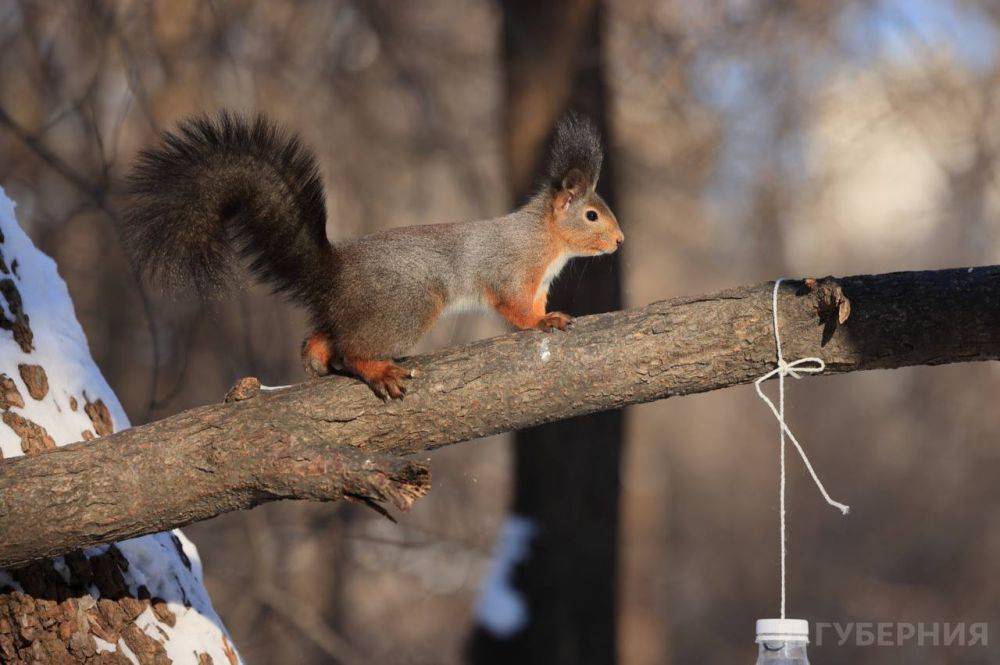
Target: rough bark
{"type": "Point", "coordinates": [57, 616]}
{"type": "Point", "coordinates": [331, 438]}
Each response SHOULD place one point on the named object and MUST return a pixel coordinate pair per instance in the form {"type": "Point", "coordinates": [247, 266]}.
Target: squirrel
{"type": "Point", "coordinates": [229, 186]}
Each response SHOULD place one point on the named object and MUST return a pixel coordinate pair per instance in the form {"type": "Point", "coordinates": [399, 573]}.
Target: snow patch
{"type": "Point", "coordinates": [105, 646]}
{"type": "Point", "coordinates": [167, 564]}
{"type": "Point", "coordinates": [60, 346]}
{"type": "Point", "coordinates": [501, 608]}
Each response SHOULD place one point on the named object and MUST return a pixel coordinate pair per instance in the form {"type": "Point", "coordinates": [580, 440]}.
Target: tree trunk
{"type": "Point", "coordinates": [138, 601]}
{"type": "Point", "coordinates": [553, 60]}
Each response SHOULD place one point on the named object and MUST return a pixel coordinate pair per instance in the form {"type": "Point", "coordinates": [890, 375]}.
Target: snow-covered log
{"type": "Point", "coordinates": [134, 601]}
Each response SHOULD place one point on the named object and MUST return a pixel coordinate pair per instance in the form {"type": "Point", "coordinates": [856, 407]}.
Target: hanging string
{"type": "Point", "coordinates": [794, 369]}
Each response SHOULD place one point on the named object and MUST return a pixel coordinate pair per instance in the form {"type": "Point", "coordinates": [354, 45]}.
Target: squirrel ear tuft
{"type": "Point", "coordinates": [575, 155]}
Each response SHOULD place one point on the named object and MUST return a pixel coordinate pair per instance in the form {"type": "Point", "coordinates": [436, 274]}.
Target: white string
{"type": "Point", "coordinates": [794, 369]}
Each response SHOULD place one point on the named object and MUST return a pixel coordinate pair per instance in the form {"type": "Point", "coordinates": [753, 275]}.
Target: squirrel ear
{"type": "Point", "coordinates": [573, 186]}
{"type": "Point", "coordinates": [575, 183]}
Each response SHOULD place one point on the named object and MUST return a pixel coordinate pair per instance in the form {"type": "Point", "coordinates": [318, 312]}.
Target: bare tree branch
{"type": "Point", "coordinates": [332, 439]}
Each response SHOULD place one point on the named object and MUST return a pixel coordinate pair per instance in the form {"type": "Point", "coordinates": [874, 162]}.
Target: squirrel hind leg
{"type": "Point", "coordinates": [318, 354]}
{"type": "Point", "coordinates": [384, 377]}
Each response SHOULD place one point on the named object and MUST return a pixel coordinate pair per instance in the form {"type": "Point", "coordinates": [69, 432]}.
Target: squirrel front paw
{"type": "Point", "coordinates": [554, 321]}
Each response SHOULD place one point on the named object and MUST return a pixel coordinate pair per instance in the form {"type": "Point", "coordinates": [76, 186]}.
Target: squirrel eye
{"type": "Point", "coordinates": [592, 215]}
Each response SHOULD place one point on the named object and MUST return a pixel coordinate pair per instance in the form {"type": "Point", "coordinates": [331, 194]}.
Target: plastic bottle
{"type": "Point", "coordinates": [782, 641]}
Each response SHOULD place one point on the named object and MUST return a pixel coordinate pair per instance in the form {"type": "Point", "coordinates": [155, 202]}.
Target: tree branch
{"type": "Point", "coordinates": [332, 439]}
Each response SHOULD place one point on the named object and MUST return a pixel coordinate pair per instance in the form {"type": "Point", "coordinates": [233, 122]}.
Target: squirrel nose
{"type": "Point", "coordinates": [621, 239]}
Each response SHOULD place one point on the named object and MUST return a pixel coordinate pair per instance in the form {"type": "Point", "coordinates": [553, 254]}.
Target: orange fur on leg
{"type": "Point", "coordinates": [529, 313]}
{"type": "Point", "coordinates": [318, 354]}
{"type": "Point", "coordinates": [384, 377]}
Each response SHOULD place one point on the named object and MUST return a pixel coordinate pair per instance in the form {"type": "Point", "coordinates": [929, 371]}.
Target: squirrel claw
{"type": "Point", "coordinates": [554, 321]}
{"type": "Point", "coordinates": [384, 378]}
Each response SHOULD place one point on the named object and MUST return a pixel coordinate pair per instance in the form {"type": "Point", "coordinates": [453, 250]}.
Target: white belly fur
{"type": "Point", "coordinates": [551, 272]}
{"type": "Point", "coordinates": [465, 304]}
{"type": "Point", "coordinates": [476, 302]}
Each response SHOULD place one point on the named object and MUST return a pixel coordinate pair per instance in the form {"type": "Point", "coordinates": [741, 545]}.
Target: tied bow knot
{"type": "Point", "coordinates": [794, 369]}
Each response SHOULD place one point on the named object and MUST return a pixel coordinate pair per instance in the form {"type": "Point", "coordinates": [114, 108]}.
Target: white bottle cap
{"type": "Point", "coordinates": [782, 630]}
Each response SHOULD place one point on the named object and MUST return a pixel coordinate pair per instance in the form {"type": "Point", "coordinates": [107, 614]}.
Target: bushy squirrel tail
{"type": "Point", "coordinates": [223, 187]}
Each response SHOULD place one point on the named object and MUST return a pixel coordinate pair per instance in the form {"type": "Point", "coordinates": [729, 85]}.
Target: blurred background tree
{"type": "Point", "coordinates": [749, 139]}
{"type": "Point", "coordinates": [553, 62]}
